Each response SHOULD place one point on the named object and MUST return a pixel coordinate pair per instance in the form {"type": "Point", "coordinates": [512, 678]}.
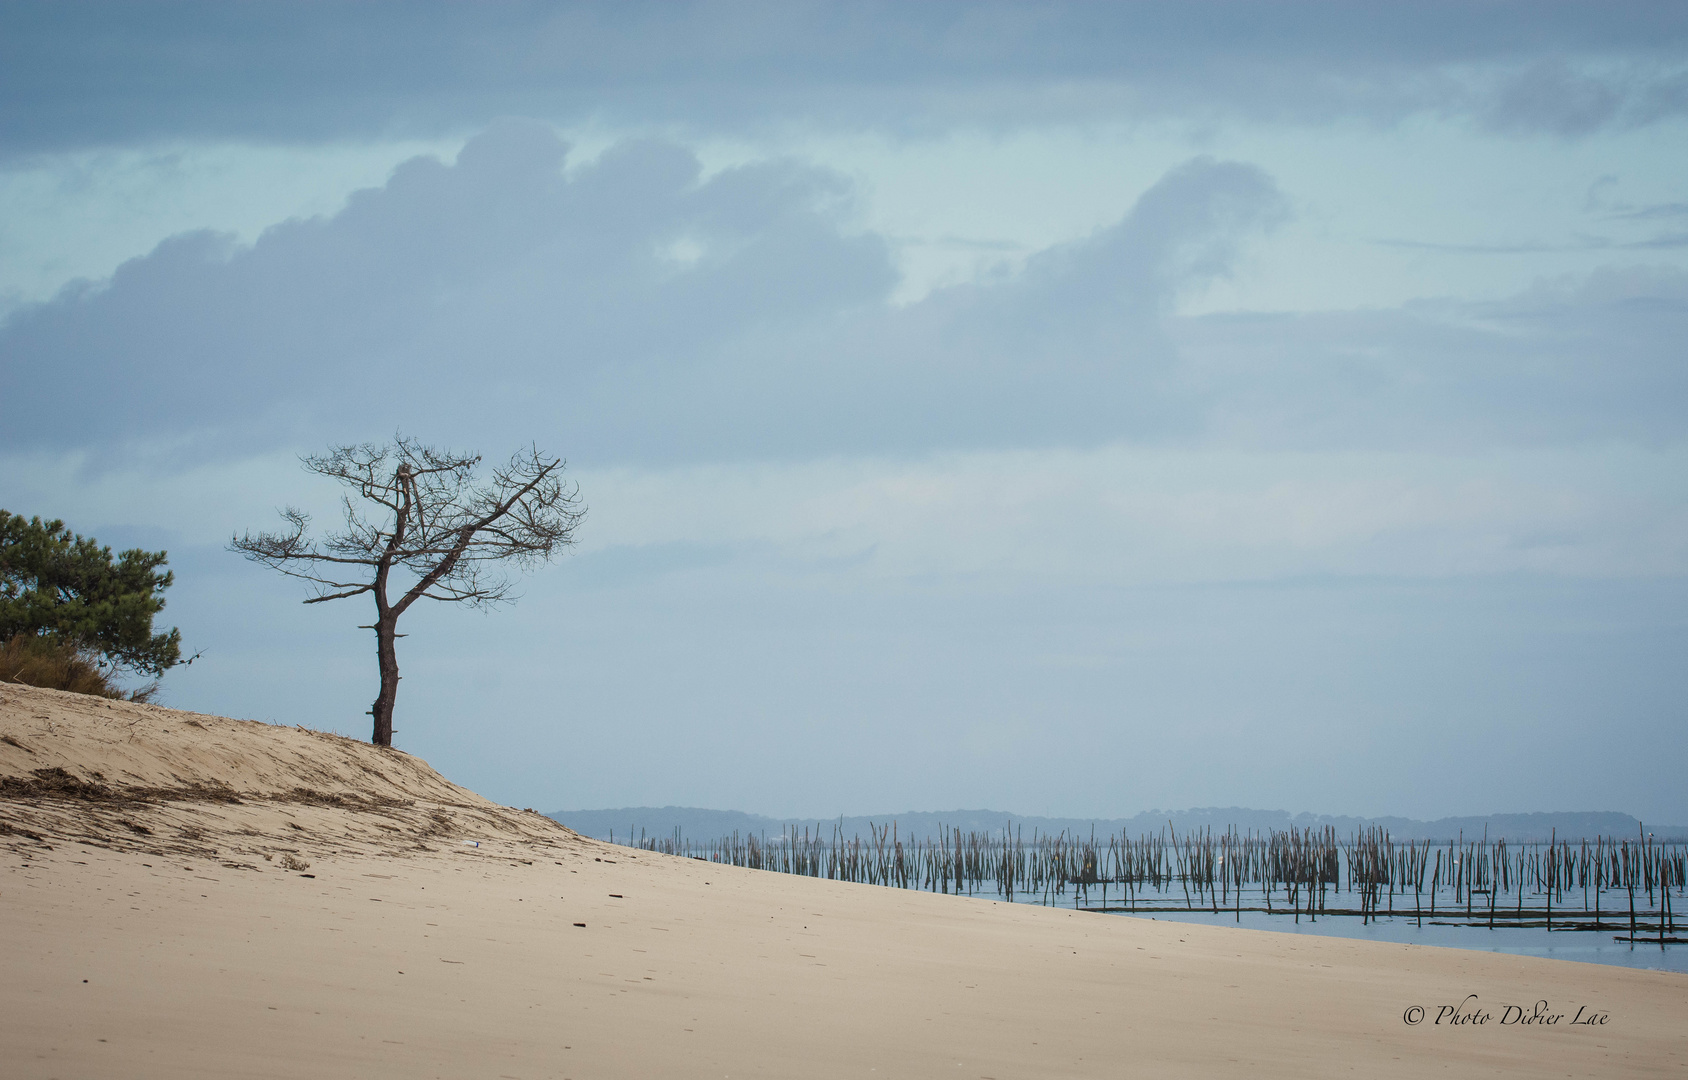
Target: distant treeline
{"type": "Point", "coordinates": [700, 825]}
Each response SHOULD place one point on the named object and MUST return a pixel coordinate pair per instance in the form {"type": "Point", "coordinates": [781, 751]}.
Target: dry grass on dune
{"type": "Point", "coordinates": [32, 660]}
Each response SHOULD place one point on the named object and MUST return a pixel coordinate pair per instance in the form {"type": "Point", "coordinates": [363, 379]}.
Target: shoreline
{"type": "Point", "coordinates": [395, 953]}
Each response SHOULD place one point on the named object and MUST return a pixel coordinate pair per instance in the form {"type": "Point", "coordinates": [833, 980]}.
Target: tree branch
{"type": "Point", "coordinates": [421, 508]}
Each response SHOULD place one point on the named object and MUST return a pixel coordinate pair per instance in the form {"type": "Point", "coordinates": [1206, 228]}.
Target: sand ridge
{"type": "Point", "coordinates": [399, 951]}
{"type": "Point", "coordinates": [130, 777]}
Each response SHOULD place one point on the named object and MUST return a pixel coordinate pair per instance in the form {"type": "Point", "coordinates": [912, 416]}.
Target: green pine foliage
{"type": "Point", "coordinates": [73, 593]}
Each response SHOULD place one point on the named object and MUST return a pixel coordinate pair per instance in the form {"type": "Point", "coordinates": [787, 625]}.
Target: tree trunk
{"type": "Point", "coordinates": [387, 625]}
{"type": "Point", "coordinates": [386, 650]}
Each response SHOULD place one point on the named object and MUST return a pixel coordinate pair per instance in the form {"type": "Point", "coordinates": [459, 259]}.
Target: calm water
{"type": "Point", "coordinates": [1149, 876]}
{"type": "Point", "coordinates": [1588, 946]}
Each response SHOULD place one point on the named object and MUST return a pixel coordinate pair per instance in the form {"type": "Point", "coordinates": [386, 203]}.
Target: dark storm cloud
{"type": "Point", "coordinates": [89, 74]}
{"type": "Point", "coordinates": [639, 309]}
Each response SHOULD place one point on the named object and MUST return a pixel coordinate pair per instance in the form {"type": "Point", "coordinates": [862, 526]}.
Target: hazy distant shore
{"type": "Point", "coordinates": [700, 824]}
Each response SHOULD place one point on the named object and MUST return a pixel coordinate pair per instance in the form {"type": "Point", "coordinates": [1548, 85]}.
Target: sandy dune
{"type": "Point", "coordinates": [156, 920]}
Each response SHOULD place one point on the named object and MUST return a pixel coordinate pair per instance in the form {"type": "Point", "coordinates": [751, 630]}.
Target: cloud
{"type": "Point", "coordinates": [629, 307]}
{"type": "Point", "coordinates": [1124, 516]}
{"type": "Point", "coordinates": [453, 284]}
{"type": "Point", "coordinates": [1667, 211]}
{"type": "Point", "coordinates": [1588, 359]}
{"type": "Point", "coordinates": [101, 74]}
{"type": "Point", "coordinates": [632, 308]}
{"type": "Point", "coordinates": [1553, 96]}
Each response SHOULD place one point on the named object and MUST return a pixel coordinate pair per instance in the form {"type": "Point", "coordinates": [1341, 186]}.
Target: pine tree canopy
{"type": "Point", "coordinates": [57, 584]}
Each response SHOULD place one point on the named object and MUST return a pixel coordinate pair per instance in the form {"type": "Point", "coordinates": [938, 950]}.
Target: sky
{"type": "Point", "coordinates": [1069, 409]}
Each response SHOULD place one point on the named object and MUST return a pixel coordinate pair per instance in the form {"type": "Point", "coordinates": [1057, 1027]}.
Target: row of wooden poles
{"type": "Point", "coordinates": [1299, 872]}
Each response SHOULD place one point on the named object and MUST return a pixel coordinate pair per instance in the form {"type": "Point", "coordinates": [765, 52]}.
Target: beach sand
{"type": "Point", "coordinates": [151, 927]}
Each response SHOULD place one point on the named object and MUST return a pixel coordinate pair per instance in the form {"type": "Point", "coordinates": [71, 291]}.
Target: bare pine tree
{"type": "Point", "coordinates": [422, 523]}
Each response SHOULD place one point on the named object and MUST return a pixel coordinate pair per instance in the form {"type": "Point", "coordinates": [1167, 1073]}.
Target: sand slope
{"type": "Point", "coordinates": [150, 929]}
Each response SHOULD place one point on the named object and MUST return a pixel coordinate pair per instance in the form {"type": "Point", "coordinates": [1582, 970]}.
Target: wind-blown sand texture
{"type": "Point", "coordinates": [150, 927]}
